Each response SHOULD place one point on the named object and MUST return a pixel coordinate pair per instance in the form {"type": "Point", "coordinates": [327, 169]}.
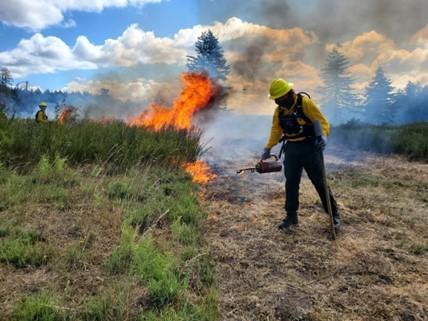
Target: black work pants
{"type": "Point", "coordinates": [298, 156]}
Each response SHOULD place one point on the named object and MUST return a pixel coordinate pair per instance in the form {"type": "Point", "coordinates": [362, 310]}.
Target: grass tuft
{"type": "Point", "coordinates": [158, 271]}
{"type": "Point", "coordinates": [40, 307]}
{"type": "Point", "coordinates": [22, 249]}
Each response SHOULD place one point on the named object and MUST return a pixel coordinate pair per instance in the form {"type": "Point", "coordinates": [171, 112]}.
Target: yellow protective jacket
{"type": "Point", "coordinates": [310, 109]}
{"type": "Point", "coordinates": [41, 117]}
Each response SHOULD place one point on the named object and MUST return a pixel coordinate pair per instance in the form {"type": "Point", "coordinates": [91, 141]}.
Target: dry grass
{"type": "Point", "coordinates": [376, 270]}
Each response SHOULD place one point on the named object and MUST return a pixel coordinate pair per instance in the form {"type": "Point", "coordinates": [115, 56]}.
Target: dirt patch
{"type": "Point", "coordinates": [376, 270]}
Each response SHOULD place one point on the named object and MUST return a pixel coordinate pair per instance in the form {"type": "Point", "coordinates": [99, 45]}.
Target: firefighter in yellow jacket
{"type": "Point", "coordinates": [41, 116]}
{"type": "Point", "coordinates": [293, 118]}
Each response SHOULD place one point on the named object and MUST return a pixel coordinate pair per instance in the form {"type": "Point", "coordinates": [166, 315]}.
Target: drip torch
{"type": "Point", "coordinates": [264, 166]}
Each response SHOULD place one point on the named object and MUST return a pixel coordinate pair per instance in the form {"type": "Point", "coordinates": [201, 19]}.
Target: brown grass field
{"type": "Point", "coordinates": [375, 270]}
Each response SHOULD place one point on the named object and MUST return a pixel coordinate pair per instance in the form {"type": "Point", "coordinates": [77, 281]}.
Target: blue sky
{"type": "Point", "coordinates": [78, 45]}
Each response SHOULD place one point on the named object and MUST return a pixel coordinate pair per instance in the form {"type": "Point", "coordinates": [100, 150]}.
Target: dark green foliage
{"type": "Point", "coordinates": [409, 140]}
{"type": "Point", "coordinates": [118, 146]}
{"type": "Point", "coordinates": [209, 57]}
{"type": "Point", "coordinates": [412, 141]}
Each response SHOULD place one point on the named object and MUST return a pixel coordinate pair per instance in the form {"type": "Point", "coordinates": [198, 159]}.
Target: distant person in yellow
{"type": "Point", "coordinates": [41, 116]}
{"type": "Point", "coordinates": [293, 118]}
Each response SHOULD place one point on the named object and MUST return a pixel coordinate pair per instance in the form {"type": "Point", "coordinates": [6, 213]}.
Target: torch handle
{"type": "Point", "coordinates": [327, 197]}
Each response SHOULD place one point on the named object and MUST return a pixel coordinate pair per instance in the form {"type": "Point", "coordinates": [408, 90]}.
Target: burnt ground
{"type": "Point", "coordinates": [375, 270]}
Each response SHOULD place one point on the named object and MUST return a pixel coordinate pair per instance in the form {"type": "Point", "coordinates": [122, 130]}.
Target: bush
{"type": "Point", "coordinates": [409, 140]}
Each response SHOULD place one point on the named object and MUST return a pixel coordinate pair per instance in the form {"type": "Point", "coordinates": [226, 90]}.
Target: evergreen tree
{"type": "Point", "coordinates": [410, 104]}
{"type": "Point", "coordinates": [338, 96]}
{"type": "Point", "coordinates": [380, 99]}
{"type": "Point", "coordinates": [6, 79]}
{"type": "Point", "coordinates": [209, 57]}
{"type": "Point", "coordinates": [7, 95]}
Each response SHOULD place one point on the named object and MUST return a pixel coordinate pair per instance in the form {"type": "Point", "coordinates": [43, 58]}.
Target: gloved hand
{"type": "Point", "coordinates": [266, 154]}
{"type": "Point", "coordinates": [321, 143]}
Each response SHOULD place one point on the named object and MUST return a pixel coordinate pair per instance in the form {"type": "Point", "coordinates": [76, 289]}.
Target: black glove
{"type": "Point", "coordinates": [266, 154]}
{"type": "Point", "coordinates": [321, 143]}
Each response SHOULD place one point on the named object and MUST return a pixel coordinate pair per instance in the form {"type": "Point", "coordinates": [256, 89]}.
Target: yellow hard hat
{"type": "Point", "coordinates": [278, 88]}
{"type": "Point", "coordinates": [43, 104]}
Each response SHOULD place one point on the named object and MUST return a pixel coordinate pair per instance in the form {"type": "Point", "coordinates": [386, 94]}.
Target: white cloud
{"type": "Point", "coordinates": [135, 46]}
{"type": "Point", "coordinates": [39, 14]}
{"type": "Point", "coordinates": [41, 54]}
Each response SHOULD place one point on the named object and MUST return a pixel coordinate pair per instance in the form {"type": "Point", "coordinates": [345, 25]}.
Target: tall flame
{"type": "Point", "coordinates": [196, 94]}
{"type": "Point", "coordinates": [200, 171]}
{"type": "Point", "coordinates": [65, 115]}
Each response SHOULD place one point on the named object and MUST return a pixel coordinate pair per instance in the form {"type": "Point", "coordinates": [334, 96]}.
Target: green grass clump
{"type": "Point", "coordinates": [22, 249]}
{"type": "Point", "coordinates": [40, 307]}
{"type": "Point", "coordinates": [109, 306]}
{"type": "Point", "coordinates": [118, 146]}
{"type": "Point", "coordinates": [43, 185]}
{"type": "Point", "coordinates": [121, 257]}
{"type": "Point", "coordinates": [184, 233]}
{"type": "Point", "coordinates": [206, 310]}
{"type": "Point", "coordinates": [74, 256]}
{"type": "Point", "coordinates": [158, 271]}
{"type": "Point", "coordinates": [4, 230]}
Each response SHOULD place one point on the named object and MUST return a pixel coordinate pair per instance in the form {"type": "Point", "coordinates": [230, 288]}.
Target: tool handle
{"type": "Point", "coordinates": [251, 169]}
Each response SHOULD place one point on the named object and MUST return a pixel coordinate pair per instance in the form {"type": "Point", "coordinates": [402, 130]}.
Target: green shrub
{"type": "Point", "coordinates": [409, 140]}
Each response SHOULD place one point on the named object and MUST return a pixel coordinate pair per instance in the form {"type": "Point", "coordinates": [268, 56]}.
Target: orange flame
{"type": "Point", "coordinates": [200, 171]}
{"type": "Point", "coordinates": [65, 115]}
{"type": "Point", "coordinates": [195, 96]}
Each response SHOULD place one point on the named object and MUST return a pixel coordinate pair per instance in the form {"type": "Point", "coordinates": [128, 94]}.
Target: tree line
{"type": "Point", "coordinates": [380, 103]}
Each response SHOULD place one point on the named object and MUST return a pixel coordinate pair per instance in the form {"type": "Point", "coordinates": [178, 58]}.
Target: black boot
{"type": "Point", "coordinates": [288, 222]}
{"type": "Point", "coordinates": [337, 221]}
